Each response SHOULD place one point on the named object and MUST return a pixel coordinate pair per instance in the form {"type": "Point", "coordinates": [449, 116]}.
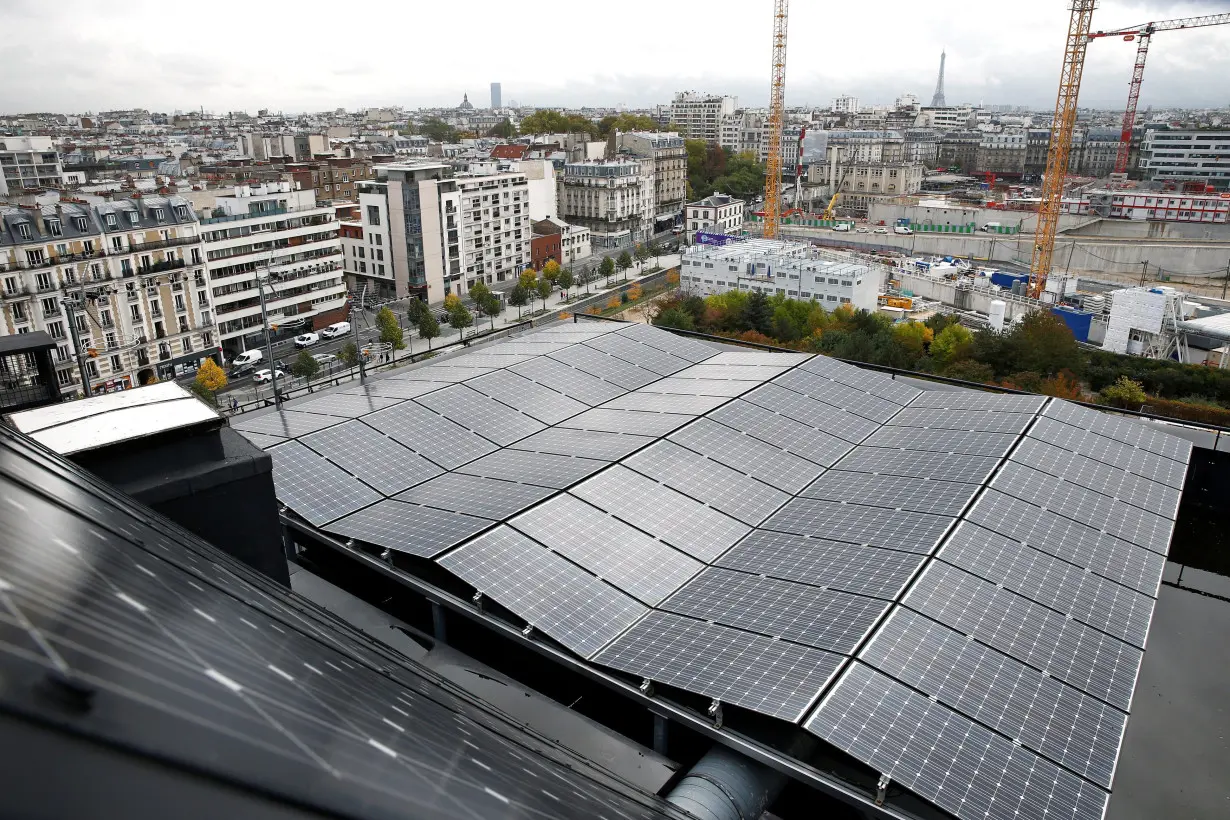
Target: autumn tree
{"type": "Point", "coordinates": [550, 271]}
{"type": "Point", "coordinates": [528, 278]}
{"type": "Point", "coordinates": [912, 337]}
{"type": "Point", "coordinates": [1125, 392]}
{"type": "Point", "coordinates": [390, 329]}
{"type": "Point", "coordinates": [951, 345]}
{"type": "Point", "coordinates": [635, 292]}
{"type": "Point", "coordinates": [210, 377]}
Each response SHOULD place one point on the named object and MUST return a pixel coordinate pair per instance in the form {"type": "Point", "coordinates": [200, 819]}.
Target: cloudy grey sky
{"type": "Point", "coordinates": [76, 56]}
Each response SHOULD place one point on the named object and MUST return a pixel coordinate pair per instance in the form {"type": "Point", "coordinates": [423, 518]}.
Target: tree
{"type": "Point", "coordinates": [607, 268]}
{"type": "Point", "coordinates": [518, 297]}
{"type": "Point", "coordinates": [969, 370]}
{"type": "Point", "coordinates": [544, 288]}
{"type": "Point", "coordinates": [460, 318]}
{"type": "Point", "coordinates": [1041, 342]}
{"type": "Point", "coordinates": [304, 366]}
{"type": "Point", "coordinates": [625, 123]}
{"type": "Point", "coordinates": [1125, 392]}
{"type": "Point", "coordinates": [528, 278]}
{"type": "Point", "coordinates": [429, 327]}
{"type": "Point", "coordinates": [452, 302]}
{"type": "Point", "coordinates": [951, 345]}
{"type": "Point", "coordinates": [655, 250]}
{"type": "Point", "coordinates": [757, 314]}
{"type": "Point", "coordinates": [623, 263]}
{"type": "Point", "coordinates": [641, 253]}
{"type": "Point", "coordinates": [547, 121]}
{"type": "Point", "coordinates": [349, 354]}
{"type": "Point", "coordinates": [491, 306]}
{"type": "Point", "coordinates": [675, 317]}
{"type": "Point", "coordinates": [390, 330]}
{"type": "Point", "coordinates": [503, 129]}
{"type": "Point", "coordinates": [479, 292]}
{"type": "Point", "coordinates": [705, 164]}
{"type": "Point", "coordinates": [565, 279]}
{"type": "Point", "coordinates": [210, 377]}
{"type": "Point", "coordinates": [635, 292]}
{"type": "Point", "coordinates": [415, 310]}
{"type": "Point", "coordinates": [672, 279]}
{"type": "Point", "coordinates": [550, 271]}
{"type": "Point", "coordinates": [744, 177]}
{"type": "Point", "coordinates": [913, 338]}
{"type": "Point", "coordinates": [437, 130]}
{"type": "Point", "coordinates": [613, 303]}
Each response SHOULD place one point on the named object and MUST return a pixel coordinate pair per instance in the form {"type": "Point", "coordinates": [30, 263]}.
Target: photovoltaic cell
{"type": "Point", "coordinates": [962, 767]}
{"type": "Point", "coordinates": [803, 440]}
{"type": "Point", "coordinates": [728, 490]}
{"type": "Point", "coordinates": [775, 678]}
{"type": "Point", "coordinates": [1137, 434]}
{"type": "Point", "coordinates": [396, 388]}
{"type": "Point", "coordinates": [485, 416]}
{"type": "Point", "coordinates": [636, 422]}
{"type": "Point", "coordinates": [813, 412]}
{"type": "Point", "coordinates": [453, 370]}
{"type": "Point", "coordinates": [1064, 538]}
{"type": "Point", "coordinates": [314, 488]}
{"type": "Point", "coordinates": [946, 419]}
{"type": "Point", "coordinates": [261, 440]}
{"type": "Point", "coordinates": [728, 446]}
{"type": "Point", "coordinates": [344, 405]}
{"type": "Point", "coordinates": [646, 569]}
{"type": "Point", "coordinates": [547, 591]}
{"type": "Point", "coordinates": [735, 372]}
{"type": "Point", "coordinates": [429, 434]}
{"type": "Point", "coordinates": [605, 366]}
{"type": "Point", "coordinates": [978, 400]}
{"type": "Point", "coordinates": [665, 403]}
{"type": "Point", "coordinates": [488, 498]}
{"type": "Point", "coordinates": [918, 464]}
{"type": "Point", "coordinates": [543, 469]}
{"type": "Point", "coordinates": [850, 399]}
{"type": "Point", "coordinates": [531, 348]}
{"type": "Point", "coordinates": [1091, 599]}
{"type": "Point", "coordinates": [877, 384]}
{"type": "Point", "coordinates": [1124, 456]}
{"type": "Point", "coordinates": [285, 423]}
{"type": "Point", "coordinates": [683, 522]}
{"type": "Point", "coordinates": [644, 356]}
{"type": "Point", "coordinates": [892, 492]}
{"type": "Point", "coordinates": [880, 573]}
{"type": "Point", "coordinates": [376, 459]}
{"type": "Point", "coordinates": [486, 360]}
{"type": "Point", "coordinates": [663, 340]}
{"type": "Point", "coordinates": [758, 357]}
{"type": "Point", "coordinates": [568, 380]}
{"type": "Point", "coordinates": [1042, 714]}
{"type": "Point", "coordinates": [542, 403]}
{"type": "Point", "coordinates": [566, 441]}
{"type": "Point", "coordinates": [408, 528]}
{"type": "Point", "coordinates": [1091, 661]}
{"type": "Point", "coordinates": [855, 524]}
{"type": "Point", "coordinates": [823, 618]}
{"type": "Point", "coordinates": [942, 441]}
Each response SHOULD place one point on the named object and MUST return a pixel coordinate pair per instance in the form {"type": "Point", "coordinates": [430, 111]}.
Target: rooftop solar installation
{"type": "Point", "coordinates": [953, 587]}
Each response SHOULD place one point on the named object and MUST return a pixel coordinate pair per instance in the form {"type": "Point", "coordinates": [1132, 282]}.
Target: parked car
{"type": "Point", "coordinates": [880, 230]}
{"type": "Point", "coordinates": [324, 359]}
{"type": "Point", "coordinates": [860, 230]}
{"type": "Point", "coordinates": [336, 329]}
{"type": "Point", "coordinates": [903, 229]}
{"type": "Point", "coordinates": [266, 376]}
{"type": "Point", "coordinates": [246, 360]}
{"type": "Point", "coordinates": [306, 340]}
{"type": "Point", "coordinates": [842, 227]}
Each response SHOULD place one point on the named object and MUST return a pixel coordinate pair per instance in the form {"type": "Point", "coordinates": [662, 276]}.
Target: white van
{"type": "Point", "coordinates": [247, 358]}
{"type": "Point", "coordinates": [842, 227]}
{"type": "Point", "coordinates": [989, 227]}
{"type": "Point", "coordinates": [336, 329]}
{"type": "Point", "coordinates": [903, 229]}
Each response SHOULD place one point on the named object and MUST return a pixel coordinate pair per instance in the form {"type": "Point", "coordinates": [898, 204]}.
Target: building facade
{"type": "Point", "coordinates": [1000, 154]}
{"type": "Point", "coordinates": [333, 179]}
{"type": "Point", "coordinates": [29, 162]}
{"type": "Point", "coordinates": [720, 214]}
{"type": "Point", "coordinates": [614, 199]}
{"type": "Point", "coordinates": [391, 208]}
{"type": "Point", "coordinates": [497, 100]}
{"type": "Point", "coordinates": [699, 116]}
{"type": "Point", "coordinates": [1179, 156]}
{"type": "Point", "coordinates": [670, 168]}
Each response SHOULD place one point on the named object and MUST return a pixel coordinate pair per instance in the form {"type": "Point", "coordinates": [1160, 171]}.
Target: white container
{"type": "Point", "coordinates": [996, 317]}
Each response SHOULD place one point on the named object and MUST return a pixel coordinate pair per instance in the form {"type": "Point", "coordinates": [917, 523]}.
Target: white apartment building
{"type": "Point", "coordinates": [272, 231]}
{"type": "Point", "coordinates": [1186, 155]}
{"type": "Point", "coordinates": [948, 119]}
{"type": "Point", "coordinates": [122, 283]}
{"type": "Point", "coordinates": [720, 214]}
{"type": "Point", "coordinates": [670, 167]}
{"type": "Point", "coordinates": [776, 268]}
{"type": "Point", "coordinates": [845, 105]}
{"type": "Point", "coordinates": [699, 116]}
{"type": "Point", "coordinates": [392, 212]}
{"type": "Point", "coordinates": [744, 132]}
{"type": "Point", "coordinates": [613, 198]}
{"type": "Point", "coordinates": [575, 243]}
{"type": "Point", "coordinates": [29, 162]}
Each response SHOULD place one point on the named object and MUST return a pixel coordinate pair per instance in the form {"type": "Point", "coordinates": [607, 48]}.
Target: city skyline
{"type": "Point", "coordinates": [1003, 57]}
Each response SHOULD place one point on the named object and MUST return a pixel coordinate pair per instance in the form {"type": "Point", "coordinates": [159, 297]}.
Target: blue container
{"type": "Point", "coordinates": [1078, 321]}
{"type": "Point", "coordinates": [1006, 280]}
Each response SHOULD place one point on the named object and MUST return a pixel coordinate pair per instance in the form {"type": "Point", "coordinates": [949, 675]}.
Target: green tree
{"type": "Point", "coordinates": [390, 329]}
{"type": "Point", "coordinates": [1125, 392]}
{"type": "Point", "coordinates": [607, 269]}
{"type": "Point", "coordinates": [550, 271]}
{"type": "Point", "coordinates": [565, 279]}
{"type": "Point", "coordinates": [758, 315]}
{"type": "Point", "coordinates": [349, 354]}
{"type": "Point", "coordinates": [429, 327]}
{"type": "Point", "coordinates": [304, 366]}
{"type": "Point", "coordinates": [437, 130]}
{"type": "Point", "coordinates": [705, 164]}
{"type": "Point", "coordinates": [491, 306]}
{"type": "Point", "coordinates": [460, 318]}
{"type": "Point", "coordinates": [744, 177]}
{"type": "Point", "coordinates": [676, 317]}
{"type": "Point", "coordinates": [544, 288]}
{"type": "Point", "coordinates": [623, 263]}
{"type": "Point", "coordinates": [952, 344]}
{"type": "Point", "coordinates": [479, 291]}
{"type": "Point", "coordinates": [913, 338]}
{"type": "Point", "coordinates": [1042, 343]}
{"type": "Point", "coordinates": [641, 253]}
{"type": "Point", "coordinates": [503, 129]}
{"type": "Point", "coordinates": [625, 123]}
{"type": "Point", "coordinates": [415, 310]}
{"type": "Point", "coordinates": [547, 121]}
{"type": "Point", "coordinates": [969, 370]}
{"type": "Point", "coordinates": [518, 297]}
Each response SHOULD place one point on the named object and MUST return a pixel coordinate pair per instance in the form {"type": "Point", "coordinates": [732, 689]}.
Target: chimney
{"type": "Point", "coordinates": [60, 212]}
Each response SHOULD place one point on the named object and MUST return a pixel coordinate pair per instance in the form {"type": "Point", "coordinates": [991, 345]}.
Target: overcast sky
{"type": "Point", "coordinates": [72, 56]}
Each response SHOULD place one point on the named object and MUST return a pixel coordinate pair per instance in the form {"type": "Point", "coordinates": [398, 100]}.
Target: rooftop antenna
{"type": "Point", "coordinates": [938, 100]}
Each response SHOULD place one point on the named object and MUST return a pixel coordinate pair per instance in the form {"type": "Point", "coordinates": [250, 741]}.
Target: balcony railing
{"type": "Point", "coordinates": [162, 243]}
{"type": "Point", "coordinates": [159, 267]}
{"type": "Point", "coordinates": [214, 220]}
{"type": "Point", "coordinates": [52, 261]}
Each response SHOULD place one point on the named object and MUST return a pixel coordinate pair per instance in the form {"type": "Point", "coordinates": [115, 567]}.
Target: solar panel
{"type": "Point", "coordinates": [261, 440]}
{"type": "Point", "coordinates": [879, 573]}
{"type": "Point", "coordinates": [485, 416]}
{"type": "Point", "coordinates": [543, 469]}
{"type": "Point", "coordinates": [736, 372]}
{"type": "Point", "coordinates": [919, 464]}
{"type": "Point", "coordinates": [527, 347]}
{"type": "Point", "coordinates": [1098, 511]}
{"type": "Point", "coordinates": [314, 488]}
{"type": "Point", "coordinates": [395, 388]}
{"type": "Point", "coordinates": [285, 423]}
{"type": "Point", "coordinates": [728, 446]}
{"type": "Point", "coordinates": [758, 357]}
{"type": "Point", "coordinates": [1019, 702]}
{"type": "Point", "coordinates": [823, 618]}
{"type": "Point", "coordinates": [636, 422]}
{"type": "Point", "coordinates": [547, 591]}
{"type": "Point", "coordinates": [646, 569]}
{"type": "Point", "coordinates": [485, 497]}
{"type": "Point", "coordinates": [377, 460]}
{"type": "Point", "coordinates": [838, 395]}
{"type": "Point", "coordinates": [1124, 456]}
{"type": "Point", "coordinates": [874, 526]}
{"type": "Point", "coordinates": [484, 359]}
{"type": "Point", "coordinates": [1067, 650]}
{"type": "Point", "coordinates": [542, 403]}
{"type": "Point", "coordinates": [877, 384]}
{"type": "Point", "coordinates": [678, 520]}
{"type": "Point", "coordinates": [450, 371]}
{"type": "Point", "coordinates": [892, 492]}
{"type": "Point", "coordinates": [812, 412]}
{"type": "Point", "coordinates": [588, 443]}
{"type": "Point", "coordinates": [605, 366]}
{"type": "Point", "coordinates": [1111, 481]}
{"type": "Point", "coordinates": [665, 403]}
{"type": "Point", "coordinates": [1064, 538]}
{"type": "Point", "coordinates": [697, 387]}
{"type": "Point", "coordinates": [429, 434]}
{"type": "Point", "coordinates": [345, 405]}
{"type": "Point", "coordinates": [649, 358]}
{"type": "Point", "coordinates": [728, 490]}
{"type": "Point", "coordinates": [568, 380]}
{"type": "Point", "coordinates": [942, 441]}
{"type": "Point", "coordinates": [944, 419]}
{"type": "Point", "coordinates": [1091, 599]}
{"type": "Point", "coordinates": [775, 678]}
{"type": "Point", "coordinates": [669, 342]}
{"type": "Point", "coordinates": [782, 431]}
{"type": "Point", "coordinates": [1127, 431]}
{"type": "Point", "coordinates": [978, 400]}
{"type": "Point", "coordinates": [962, 767]}
{"type": "Point", "coordinates": [408, 528]}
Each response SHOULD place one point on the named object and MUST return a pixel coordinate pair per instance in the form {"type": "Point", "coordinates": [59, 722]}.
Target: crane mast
{"type": "Point", "coordinates": [1061, 143]}
{"type": "Point", "coordinates": [777, 113]}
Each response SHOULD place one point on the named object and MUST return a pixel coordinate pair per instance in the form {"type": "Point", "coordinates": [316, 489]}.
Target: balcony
{"type": "Point", "coordinates": [20, 292]}
{"type": "Point", "coordinates": [163, 243]}
{"type": "Point", "coordinates": [215, 220]}
{"type": "Point", "coordinates": [52, 261]}
{"type": "Point", "coordinates": [159, 267]}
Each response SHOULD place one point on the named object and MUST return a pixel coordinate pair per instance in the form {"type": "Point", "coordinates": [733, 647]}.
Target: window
{"type": "Point", "coordinates": [373, 215]}
{"type": "Point", "coordinates": [117, 243]}
{"type": "Point", "coordinates": [110, 220]}
{"type": "Point", "coordinates": [56, 329]}
{"type": "Point", "coordinates": [179, 302]}
{"type": "Point", "coordinates": [23, 230]}
{"type": "Point", "coordinates": [159, 214]}
{"type": "Point", "coordinates": [43, 280]}
{"type": "Point", "coordinates": [134, 217]}
{"type": "Point", "coordinates": [53, 225]}
{"type": "Point", "coordinates": [136, 312]}
{"type": "Point", "coordinates": [187, 344]}
{"type": "Point", "coordinates": [196, 256]}
{"type": "Point", "coordinates": [50, 307]}
{"type": "Point", "coordinates": [81, 224]}
{"type": "Point", "coordinates": [183, 324]}
{"type": "Point", "coordinates": [181, 211]}
{"type": "Point", "coordinates": [378, 240]}
{"type": "Point", "coordinates": [116, 366]}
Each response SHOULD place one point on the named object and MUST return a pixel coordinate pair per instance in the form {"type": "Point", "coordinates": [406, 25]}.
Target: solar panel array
{"type": "Point", "coordinates": [783, 533]}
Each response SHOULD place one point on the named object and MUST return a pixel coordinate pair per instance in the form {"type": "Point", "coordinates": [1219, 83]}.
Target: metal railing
{"type": "Point", "coordinates": [215, 220]}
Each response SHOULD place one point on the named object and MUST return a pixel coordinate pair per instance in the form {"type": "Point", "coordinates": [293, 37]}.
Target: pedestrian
{"type": "Point", "coordinates": [234, 405]}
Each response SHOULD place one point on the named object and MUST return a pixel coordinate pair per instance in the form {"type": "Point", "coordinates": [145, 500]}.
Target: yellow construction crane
{"type": "Point", "coordinates": [777, 114]}
{"type": "Point", "coordinates": [1061, 144]}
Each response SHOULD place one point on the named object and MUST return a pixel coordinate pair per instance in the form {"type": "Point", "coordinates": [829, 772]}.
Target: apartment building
{"type": "Point", "coordinates": [670, 167]}
{"type": "Point", "coordinates": [29, 162]}
{"type": "Point", "coordinates": [302, 147]}
{"type": "Point", "coordinates": [355, 259]}
{"type": "Point", "coordinates": [699, 116]}
{"type": "Point", "coordinates": [1170, 156]}
{"type": "Point", "coordinates": [845, 105]}
{"type": "Point", "coordinates": [862, 184]}
{"type": "Point", "coordinates": [613, 198]}
{"type": "Point", "coordinates": [123, 283]}
{"type": "Point", "coordinates": [1002, 153]}
{"type": "Point", "coordinates": [566, 244]}
{"type": "Point", "coordinates": [392, 212]}
{"type": "Point", "coordinates": [776, 268]}
{"type": "Point", "coordinates": [719, 213]}
{"type": "Point", "coordinates": [333, 179]}
{"type": "Point", "coordinates": [276, 232]}
{"type": "Point", "coordinates": [743, 132]}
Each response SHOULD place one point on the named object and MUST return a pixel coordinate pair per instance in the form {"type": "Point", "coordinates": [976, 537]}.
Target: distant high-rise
{"type": "Point", "coordinates": [496, 102]}
{"type": "Point", "coordinates": [938, 100]}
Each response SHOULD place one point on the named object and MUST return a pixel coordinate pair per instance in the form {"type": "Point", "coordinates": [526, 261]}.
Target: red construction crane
{"type": "Point", "coordinates": [1142, 34]}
